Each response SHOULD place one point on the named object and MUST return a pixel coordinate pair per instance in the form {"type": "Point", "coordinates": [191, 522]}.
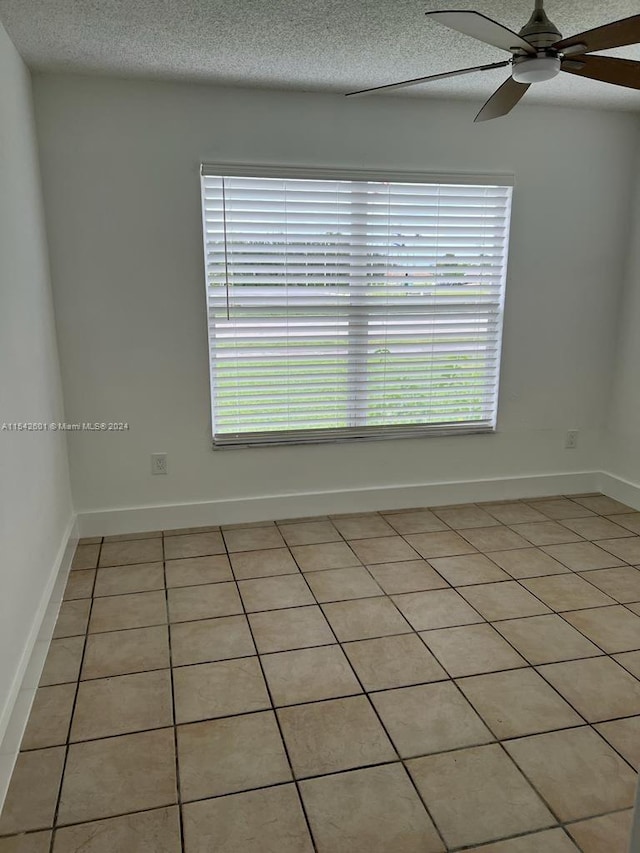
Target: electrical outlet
{"type": "Point", "coordinates": [158, 463]}
{"type": "Point", "coordinates": [571, 439]}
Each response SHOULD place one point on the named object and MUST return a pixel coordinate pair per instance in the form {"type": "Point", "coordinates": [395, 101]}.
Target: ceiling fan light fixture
{"type": "Point", "coordinates": [535, 69]}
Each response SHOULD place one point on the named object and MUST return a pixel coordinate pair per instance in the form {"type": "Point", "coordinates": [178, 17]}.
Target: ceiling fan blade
{"type": "Point", "coordinates": [480, 27]}
{"type": "Point", "coordinates": [615, 34]}
{"type": "Point", "coordinates": [620, 72]}
{"type": "Point", "coordinates": [416, 80]}
{"type": "Point", "coordinates": [503, 100]}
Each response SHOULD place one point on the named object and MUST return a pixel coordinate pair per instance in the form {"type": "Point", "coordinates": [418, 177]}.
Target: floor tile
{"type": "Point", "coordinates": [210, 640]}
{"type": "Point", "coordinates": [230, 755]}
{"type": "Point", "coordinates": [603, 505]}
{"type": "Point", "coordinates": [518, 702]}
{"type": "Point", "coordinates": [297, 628]}
{"type": "Point", "coordinates": [464, 517]}
{"type": "Point", "coordinates": [546, 639]}
{"type": "Point", "coordinates": [86, 557]}
{"type": "Point", "coordinates": [119, 580]}
{"type": "Point", "coordinates": [363, 527]}
{"type": "Point", "coordinates": [566, 592]}
{"type": "Point", "coordinates": [445, 544]}
{"type": "Point", "coordinates": [326, 737]}
{"type": "Point", "coordinates": [126, 703]}
{"type": "Point", "coordinates": [275, 593]}
{"type": "Point", "coordinates": [261, 821]}
{"type": "Point", "coordinates": [438, 608]}
{"type": "Point", "coordinates": [393, 662]}
{"type": "Point", "coordinates": [624, 736]}
{"type": "Point", "coordinates": [50, 717]}
{"type": "Point", "coordinates": [375, 810]}
{"type": "Point", "coordinates": [129, 553]}
{"type": "Point", "coordinates": [108, 777]}
{"type": "Point", "coordinates": [309, 533]}
{"type": "Point", "coordinates": [415, 521]}
{"type": "Point", "coordinates": [478, 794]}
{"type": "Point", "coordinates": [123, 537]}
{"type": "Point", "coordinates": [80, 584]}
{"type": "Point", "coordinates": [306, 675]}
{"type": "Point", "coordinates": [123, 652]}
{"type": "Point", "coordinates": [156, 831]}
{"type": "Point", "coordinates": [191, 571]}
{"type": "Point", "coordinates": [429, 718]}
{"type": "Point", "coordinates": [471, 649]}
{"type": "Point", "coordinates": [506, 600]}
{"type": "Point", "coordinates": [577, 773]}
{"type": "Point", "coordinates": [31, 798]}
{"type": "Point", "coordinates": [582, 556]}
{"type": "Point", "coordinates": [527, 563]}
{"type": "Point", "coordinates": [498, 538]}
{"type": "Point", "coordinates": [634, 608]}
{"type": "Point", "coordinates": [63, 661]}
{"type": "Point", "coordinates": [622, 584]}
{"type": "Point", "coordinates": [90, 540]}
{"type": "Point", "coordinates": [549, 841]}
{"type": "Point", "coordinates": [407, 576]}
{"type": "Point", "coordinates": [253, 539]}
{"type": "Point", "coordinates": [598, 688]}
{"type": "Point", "coordinates": [34, 842]}
{"type": "Point", "coordinates": [73, 618]}
{"type": "Point", "coordinates": [514, 512]}
{"type": "Point", "coordinates": [365, 618]}
{"type": "Point", "coordinates": [627, 549]}
{"type": "Point", "coordinates": [193, 545]}
{"type": "Point", "coordinates": [545, 533]}
{"type": "Point", "coordinates": [263, 563]}
{"type": "Point", "coordinates": [219, 689]}
{"type": "Point", "coordinates": [560, 508]}
{"type": "Point", "coordinates": [608, 833]}
{"type": "Point", "coordinates": [137, 610]}
{"type": "Point", "coordinates": [630, 521]}
{"type": "Point", "coordinates": [596, 527]}
{"type": "Point", "coordinates": [203, 602]}
{"type": "Point", "coordinates": [244, 525]}
{"type": "Point", "coordinates": [468, 569]}
{"type": "Point", "coordinates": [332, 555]}
{"type": "Point", "coordinates": [183, 531]}
{"type": "Point", "coordinates": [630, 661]}
{"type": "Point", "coordinates": [342, 584]}
{"type": "Point", "coordinates": [387, 549]}
{"type": "Point", "coordinates": [614, 629]}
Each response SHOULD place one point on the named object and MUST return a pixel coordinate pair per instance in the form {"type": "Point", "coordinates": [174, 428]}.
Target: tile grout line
{"type": "Point", "coordinates": [273, 707]}
{"type": "Point", "coordinates": [173, 706]}
{"type": "Point", "coordinates": [67, 746]}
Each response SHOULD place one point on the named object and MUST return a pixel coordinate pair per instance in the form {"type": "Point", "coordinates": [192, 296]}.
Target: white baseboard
{"type": "Point", "coordinates": [269, 507]}
{"type": "Point", "coordinates": [622, 490]}
{"type": "Point", "coordinates": [17, 707]}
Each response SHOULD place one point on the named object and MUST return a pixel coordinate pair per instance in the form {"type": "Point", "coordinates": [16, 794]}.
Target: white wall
{"type": "Point", "coordinates": [120, 168]}
{"type": "Point", "coordinates": [35, 502]}
{"type": "Point", "coordinates": [622, 443]}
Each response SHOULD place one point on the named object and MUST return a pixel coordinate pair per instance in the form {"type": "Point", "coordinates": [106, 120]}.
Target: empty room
{"type": "Point", "coordinates": [319, 427]}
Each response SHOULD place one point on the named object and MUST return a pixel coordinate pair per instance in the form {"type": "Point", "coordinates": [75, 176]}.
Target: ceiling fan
{"type": "Point", "coordinates": [538, 53]}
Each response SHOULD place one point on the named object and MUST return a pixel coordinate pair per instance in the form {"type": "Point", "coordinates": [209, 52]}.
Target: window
{"type": "Point", "coordinates": [360, 306]}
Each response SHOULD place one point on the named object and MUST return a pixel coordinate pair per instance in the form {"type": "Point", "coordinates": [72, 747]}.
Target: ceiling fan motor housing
{"type": "Point", "coordinates": [541, 33]}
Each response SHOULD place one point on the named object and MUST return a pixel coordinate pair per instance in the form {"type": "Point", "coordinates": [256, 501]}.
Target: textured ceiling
{"type": "Point", "coordinates": [298, 44]}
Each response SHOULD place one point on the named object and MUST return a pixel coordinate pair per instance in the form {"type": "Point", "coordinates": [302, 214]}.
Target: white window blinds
{"type": "Point", "coordinates": [352, 308]}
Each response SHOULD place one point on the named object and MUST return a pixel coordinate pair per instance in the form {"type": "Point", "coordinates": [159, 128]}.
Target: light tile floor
{"type": "Point", "coordinates": [405, 682]}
